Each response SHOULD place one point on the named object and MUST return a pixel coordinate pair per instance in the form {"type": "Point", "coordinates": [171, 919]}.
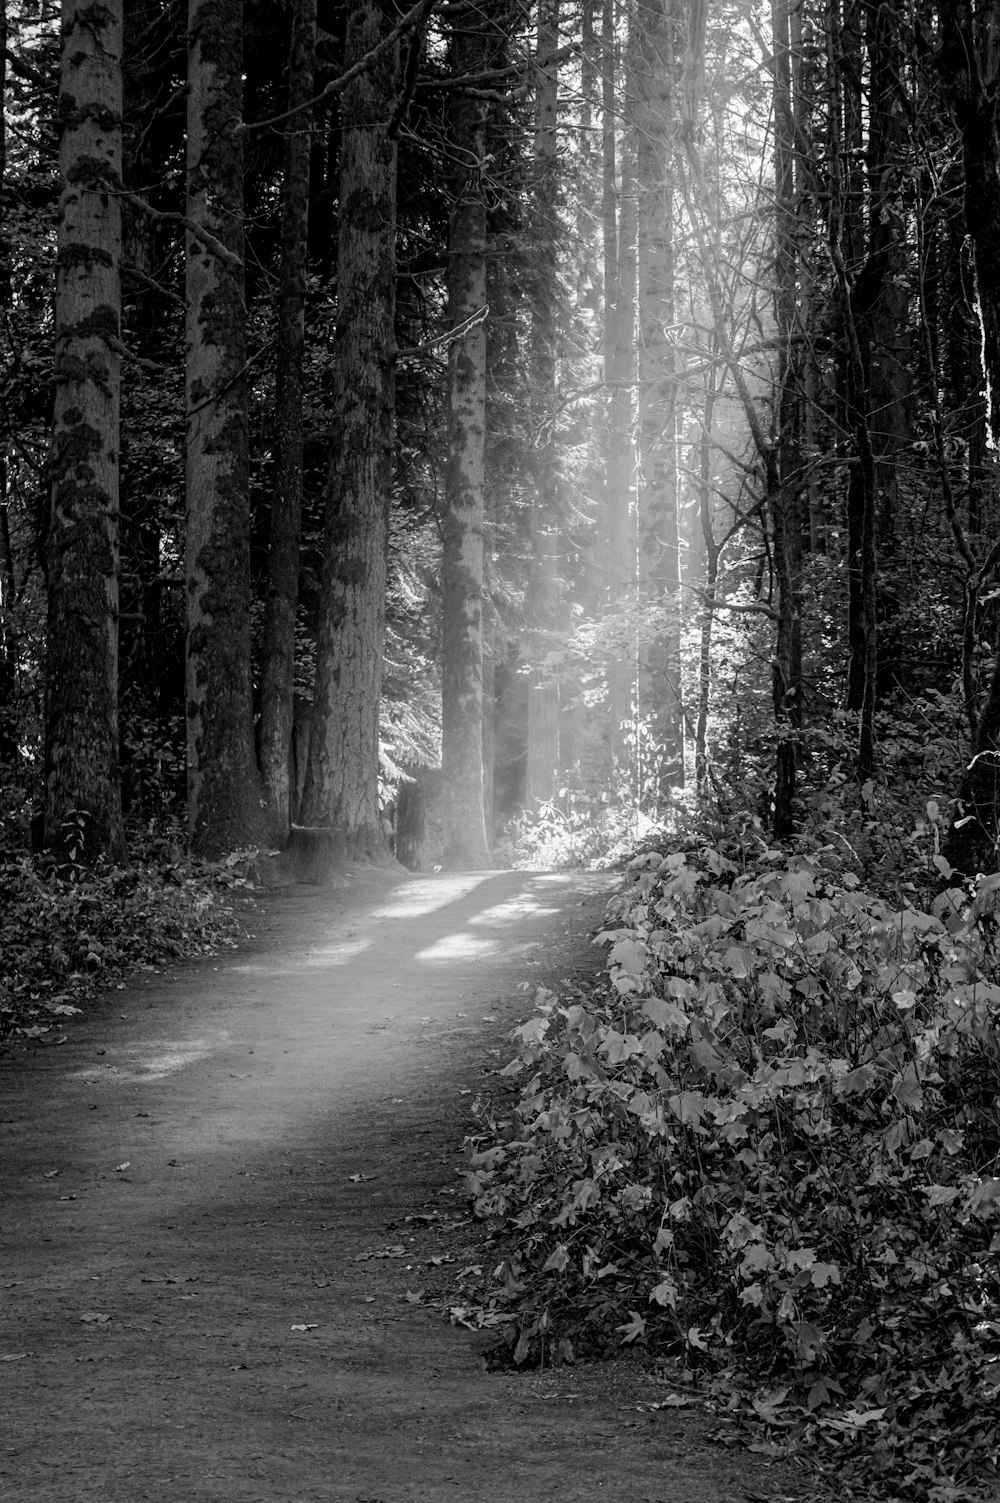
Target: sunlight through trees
{"type": "Point", "coordinates": [564, 414]}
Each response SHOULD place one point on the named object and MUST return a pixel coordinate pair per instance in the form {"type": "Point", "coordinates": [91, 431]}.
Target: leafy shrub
{"type": "Point", "coordinates": [768, 1145]}
{"type": "Point", "coordinates": [67, 933]}
{"type": "Point", "coordinates": [575, 830]}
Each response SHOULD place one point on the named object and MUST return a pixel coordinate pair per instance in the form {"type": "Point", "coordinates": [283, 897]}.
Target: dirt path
{"type": "Point", "coordinates": [200, 1171]}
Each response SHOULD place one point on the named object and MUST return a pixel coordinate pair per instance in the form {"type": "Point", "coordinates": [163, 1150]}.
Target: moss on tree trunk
{"type": "Point", "coordinates": [82, 795]}
{"type": "Point", "coordinates": [464, 519]}
{"type": "Point", "coordinates": [224, 796]}
{"type": "Point", "coordinates": [341, 789]}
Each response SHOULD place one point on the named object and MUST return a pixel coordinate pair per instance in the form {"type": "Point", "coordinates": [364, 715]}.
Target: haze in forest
{"type": "Point", "coordinates": [426, 424]}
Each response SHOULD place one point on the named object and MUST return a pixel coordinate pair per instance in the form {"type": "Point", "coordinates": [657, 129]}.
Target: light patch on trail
{"type": "Point", "coordinates": [429, 894]}
{"type": "Point", "coordinates": [164, 1058]}
{"type": "Point", "coordinates": [459, 946]}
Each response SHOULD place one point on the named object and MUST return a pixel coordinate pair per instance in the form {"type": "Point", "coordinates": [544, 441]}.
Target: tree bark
{"type": "Point", "coordinates": [82, 795]}
{"type": "Point", "coordinates": [278, 666]}
{"type": "Point", "coordinates": [464, 519]}
{"type": "Point", "coordinates": [543, 592]}
{"type": "Point", "coordinates": [618, 215]}
{"type": "Point", "coordinates": [862, 499]}
{"type": "Point", "coordinates": [969, 63]}
{"type": "Point", "coordinates": [224, 798]}
{"type": "Point", "coordinates": [973, 836]}
{"type": "Point", "coordinates": [342, 780]}
{"type": "Point", "coordinates": [8, 584]}
{"type": "Point", "coordinates": [785, 508]}
{"type": "Point", "coordinates": [653, 67]}
{"type": "Point", "coordinates": [702, 752]}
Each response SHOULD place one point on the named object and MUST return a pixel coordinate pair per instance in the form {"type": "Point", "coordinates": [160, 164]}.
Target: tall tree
{"type": "Point", "coordinates": [8, 584]}
{"type": "Point", "coordinates": [969, 62]}
{"type": "Point", "coordinates": [785, 510]}
{"type": "Point", "coordinates": [464, 520]}
{"type": "Point", "coordinates": [341, 791]}
{"type": "Point", "coordinates": [652, 69]}
{"type": "Point", "coordinates": [543, 752]}
{"type": "Point", "coordinates": [82, 795]}
{"type": "Point", "coordinates": [278, 668]}
{"type": "Point", "coordinates": [618, 215]}
{"type": "Point", "coordinates": [845, 225]}
{"type": "Point", "coordinates": [224, 796]}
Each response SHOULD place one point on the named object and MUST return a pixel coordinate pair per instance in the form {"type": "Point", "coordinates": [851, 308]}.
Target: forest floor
{"type": "Point", "coordinates": [230, 1224]}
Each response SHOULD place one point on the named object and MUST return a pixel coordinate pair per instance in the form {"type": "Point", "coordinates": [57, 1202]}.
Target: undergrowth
{"type": "Point", "coordinates": [67, 933]}
{"type": "Point", "coordinates": [767, 1147]}
{"type": "Point", "coordinates": [575, 830]}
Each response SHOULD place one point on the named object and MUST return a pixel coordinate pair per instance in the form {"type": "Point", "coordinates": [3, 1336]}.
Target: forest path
{"type": "Point", "coordinates": [210, 1161]}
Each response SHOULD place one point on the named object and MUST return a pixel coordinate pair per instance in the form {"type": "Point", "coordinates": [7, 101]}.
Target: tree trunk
{"type": "Point", "coordinates": [543, 591]}
{"type": "Point", "coordinates": [618, 232]}
{"type": "Point", "coordinates": [411, 819]}
{"type": "Point", "coordinates": [653, 66]}
{"type": "Point", "coordinates": [464, 519]}
{"type": "Point", "coordinates": [82, 796]}
{"type": "Point", "coordinates": [969, 62]}
{"type": "Point", "coordinates": [785, 508]}
{"type": "Point", "coordinates": [862, 501]}
{"type": "Point", "coordinates": [342, 780]}
{"type": "Point", "coordinates": [278, 666]}
{"type": "Point", "coordinates": [702, 753]}
{"type": "Point", "coordinates": [224, 798]}
{"type": "Point", "coordinates": [972, 839]}
{"type": "Point", "coordinates": [8, 584]}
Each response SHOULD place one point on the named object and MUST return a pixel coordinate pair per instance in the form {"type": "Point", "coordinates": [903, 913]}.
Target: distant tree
{"type": "Point", "coordinates": [342, 780]}
{"type": "Point", "coordinates": [652, 88]}
{"type": "Point", "coordinates": [224, 795]}
{"type": "Point", "coordinates": [618, 233]}
{"type": "Point", "coordinates": [464, 520]}
{"type": "Point", "coordinates": [82, 794]}
{"type": "Point", "coordinates": [278, 650]}
{"type": "Point", "coordinates": [785, 497]}
{"type": "Point", "coordinates": [969, 64]}
{"type": "Point", "coordinates": [543, 749]}
{"type": "Point", "coordinates": [8, 584]}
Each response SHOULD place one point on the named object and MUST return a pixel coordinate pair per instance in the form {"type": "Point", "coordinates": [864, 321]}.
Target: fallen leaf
{"type": "Point", "coordinates": [851, 1419]}
{"type": "Point", "coordinates": [634, 1327]}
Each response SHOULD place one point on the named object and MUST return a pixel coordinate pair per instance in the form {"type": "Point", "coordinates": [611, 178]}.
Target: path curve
{"type": "Point", "coordinates": [193, 1184]}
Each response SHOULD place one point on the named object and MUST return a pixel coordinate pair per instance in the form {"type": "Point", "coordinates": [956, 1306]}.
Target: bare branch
{"type": "Point", "coordinates": [415, 16]}
{"type": "Point", "coordinates": [205, 237]}
{"type": "Point", "coordinates": [449, 336]}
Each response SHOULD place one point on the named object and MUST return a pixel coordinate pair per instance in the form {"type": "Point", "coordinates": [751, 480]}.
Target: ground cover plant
{"type": "Point", "coordinates": [67, 931]}
{"type": "Point", "coordinates": [766, 1148]}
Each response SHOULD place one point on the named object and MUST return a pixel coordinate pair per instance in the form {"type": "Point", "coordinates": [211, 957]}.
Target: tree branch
{"type": "Point", "coordinates": [415, 16]}
{"type": "Point", "coordinates": [206, 238]}
{"type": "Point", "coordinates": [449, 336]}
